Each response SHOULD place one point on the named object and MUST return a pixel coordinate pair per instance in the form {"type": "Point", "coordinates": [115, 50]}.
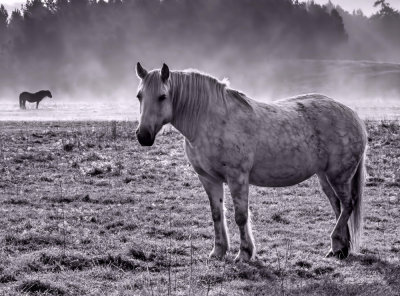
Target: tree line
{"type": "Point", "coordinates": [68, 43]}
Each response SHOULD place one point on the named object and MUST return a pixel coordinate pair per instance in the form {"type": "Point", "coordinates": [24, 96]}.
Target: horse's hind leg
{"type": "Point", "coordinates": [340, 235]}
{"type": "Point", "coordinates": [37, 105]}
{"type": "Point", "coordinates": [330, 193]}
{"type": "Point", "coordinates": [333, 199]}
{"type": "Point", "coordinates": [240, 196]}
{"type": "Point", "coordinates": [215, 192]}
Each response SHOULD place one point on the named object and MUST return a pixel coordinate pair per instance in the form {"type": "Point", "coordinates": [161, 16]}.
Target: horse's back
{"type": "Point", "coordinates": [323, 113]}
{"type": "Point", "coordinates": [332, 120]}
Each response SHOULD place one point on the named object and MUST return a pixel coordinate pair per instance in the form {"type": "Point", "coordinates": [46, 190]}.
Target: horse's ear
{"type": "Point", "coordinates": [164, 73]}
{"type": "Point", "coordinates": [140, 71]}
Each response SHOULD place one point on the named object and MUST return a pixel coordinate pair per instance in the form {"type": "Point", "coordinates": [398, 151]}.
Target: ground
{"type": "Point", "coordinates": [85, 210]}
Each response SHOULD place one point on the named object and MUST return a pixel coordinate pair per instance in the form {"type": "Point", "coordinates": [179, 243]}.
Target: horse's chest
{"type": "Point", "coordinates": [218, 158]}
{"type": "Point", "coordinates": [204, 160]}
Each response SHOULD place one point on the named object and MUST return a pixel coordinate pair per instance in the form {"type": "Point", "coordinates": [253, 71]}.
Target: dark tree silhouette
{"type": "Point", "coordinates": [3, 20]}
{"type": "Point", "coordinates": [3, 31]}
{"type": "Point", "coordinates": [387, 22]}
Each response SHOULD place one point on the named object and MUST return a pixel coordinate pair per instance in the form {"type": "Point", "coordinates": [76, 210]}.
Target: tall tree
{"type": "Point", "coordinates": [3, 22]}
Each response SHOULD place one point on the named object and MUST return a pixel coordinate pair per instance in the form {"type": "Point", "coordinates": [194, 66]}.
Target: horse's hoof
{"type": "Point", "coordinates": [243, 256]}
{"type": "Point", "coordinates": [342, 253]}
{"type": "Point", "coordinates": [329, 254]}
{"type": "Point", "coordinates": [217, 253]}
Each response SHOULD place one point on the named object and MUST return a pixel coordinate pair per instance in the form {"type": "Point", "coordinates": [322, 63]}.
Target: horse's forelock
{"type": "Point", "coordinates": [152, 82]}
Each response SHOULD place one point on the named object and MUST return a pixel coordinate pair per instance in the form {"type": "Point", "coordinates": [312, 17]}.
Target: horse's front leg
{"type": "Point", "coordinates": [37, 104]}
{"type": "Point", "coordinates": [239, 188]}
{"type": "Point", "coordinates": [215, 192]}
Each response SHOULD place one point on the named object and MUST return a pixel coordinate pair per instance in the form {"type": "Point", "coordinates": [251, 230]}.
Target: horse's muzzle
{"type": "Point", "coordinates": [145, 138]}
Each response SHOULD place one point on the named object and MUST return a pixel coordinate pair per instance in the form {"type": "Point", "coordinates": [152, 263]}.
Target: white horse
{"type": "Point", "coordinates": [232, 139]}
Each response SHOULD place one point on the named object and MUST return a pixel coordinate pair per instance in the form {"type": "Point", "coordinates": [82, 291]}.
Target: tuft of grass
{"type": "Point", "coordinates": [369, 259]}
{"type": "Point", "coordinates": [32, 241]}
{"type": "Point", "coordinates": [277, 217]}
{"type": "Point", "coordinates": [59, 262]}
{"type": "Point", "coordinates": [37, 286]}
{"type": "Point", "coordinates": [212, 279]}
{"type": "Point", "coordinates": [303, 264]}
{"type": "Point", "coordinates": [17, 201]}
{"type": "Point", "coordinates": [118, 262]}
{"type": "Point", "coordinates": [115, 224]}
{"type": "Point", "coordinates": [305, 274]}
{"type": "Point", "coordinates": [68, 147]}
{"type": "Point", "coordinates": [255, 272]}
{"type": "Point", "coordinates": [7, 278]}
{"type": "Point", "coordinates": [321, 270]}
{"type": "Point", "coordinates": [138, 254]}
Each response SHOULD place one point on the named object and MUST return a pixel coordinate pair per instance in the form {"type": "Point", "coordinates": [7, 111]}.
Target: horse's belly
{"type": "Point", "coordinates": [281, 171]}
{"type": "Point", "coordinates": [279, 179]}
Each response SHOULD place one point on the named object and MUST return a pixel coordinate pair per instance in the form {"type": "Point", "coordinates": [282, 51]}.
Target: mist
{"type": "Point", "coordinates": [85, 51]}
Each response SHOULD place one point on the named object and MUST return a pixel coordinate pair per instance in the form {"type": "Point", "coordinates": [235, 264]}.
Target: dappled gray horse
{"type": "Point", "coordinates": [232, 139]}
{"type": "Point", "coordinates": [33, 98]}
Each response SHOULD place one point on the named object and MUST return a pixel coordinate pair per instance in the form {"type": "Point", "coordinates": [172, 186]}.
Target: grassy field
{"type": "Point", "coordinates": [86, 211]}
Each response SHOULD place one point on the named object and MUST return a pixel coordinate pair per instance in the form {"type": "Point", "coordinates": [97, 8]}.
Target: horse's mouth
{"type": "Point", "coordinates": [145, 139]}
{"type": "Point", "coordinates": [146, 142]}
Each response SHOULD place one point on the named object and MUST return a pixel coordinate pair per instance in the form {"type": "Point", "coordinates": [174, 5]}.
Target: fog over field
{"type": "Point", "coordinates": [85, 52]}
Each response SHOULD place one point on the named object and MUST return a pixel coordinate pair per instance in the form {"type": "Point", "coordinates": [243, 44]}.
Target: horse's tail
{"type": "Point", "coordinates": [356, 218]}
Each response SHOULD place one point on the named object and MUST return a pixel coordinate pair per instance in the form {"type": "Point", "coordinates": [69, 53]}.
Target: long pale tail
{"type": "Point", "coordinates": [356, 218]}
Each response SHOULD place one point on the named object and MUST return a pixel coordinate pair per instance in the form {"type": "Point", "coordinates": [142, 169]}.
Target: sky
{"type": "Point", "coordinates": [10, 5]}
{"type": "Point", "coordinates": [365, 5]}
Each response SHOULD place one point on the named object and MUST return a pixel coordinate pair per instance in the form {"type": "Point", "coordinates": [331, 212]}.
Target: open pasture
{"type": "Point", "coordinates": [85, 210]}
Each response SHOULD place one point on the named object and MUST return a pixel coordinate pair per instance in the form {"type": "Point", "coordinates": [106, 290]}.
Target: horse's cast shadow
{"type": "Point", "coordinates": [264, 278]}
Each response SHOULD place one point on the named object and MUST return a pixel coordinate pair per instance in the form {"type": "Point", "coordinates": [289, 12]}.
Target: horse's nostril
{"type": "Point", "coordinates": [137, 132]}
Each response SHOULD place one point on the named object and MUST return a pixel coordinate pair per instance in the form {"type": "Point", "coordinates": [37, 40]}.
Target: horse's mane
{"type": "Point", "coordinates": [42, 92]}
{"type": "Point", "coordinates": [193, 93]}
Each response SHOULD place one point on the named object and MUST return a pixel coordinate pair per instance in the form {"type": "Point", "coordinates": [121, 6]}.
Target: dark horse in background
{"type": "Point", "coordinates": [33, 98]}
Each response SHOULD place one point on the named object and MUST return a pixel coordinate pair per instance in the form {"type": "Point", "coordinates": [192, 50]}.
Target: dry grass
{"type": "Point", "coordinates": [86, 211]}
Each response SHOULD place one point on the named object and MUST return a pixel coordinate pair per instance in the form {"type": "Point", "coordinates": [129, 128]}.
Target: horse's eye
{"type": "Point", "coordinates": [139, 96]}
{"type": "Point", "coordinates": [162, 98]}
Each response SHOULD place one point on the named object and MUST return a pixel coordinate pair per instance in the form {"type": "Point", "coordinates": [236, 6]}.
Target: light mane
{"type": "Point", "coordinates": [193, 94]}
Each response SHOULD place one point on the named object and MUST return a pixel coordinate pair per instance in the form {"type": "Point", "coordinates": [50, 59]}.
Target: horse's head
{"type": "Point", "coordinates": [48, 93]}
{"type": "Point", "coordinates": [155, 103]}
